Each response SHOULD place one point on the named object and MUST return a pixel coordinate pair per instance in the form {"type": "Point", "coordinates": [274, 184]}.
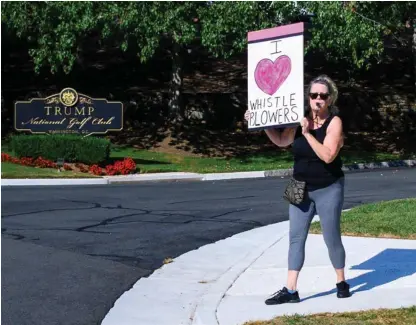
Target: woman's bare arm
{"type": "Point", "coordinates": [333, 141]}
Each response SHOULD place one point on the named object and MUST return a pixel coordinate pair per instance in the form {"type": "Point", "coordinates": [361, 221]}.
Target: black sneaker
{"type": "Point", "coordinates": [343, 290]}
{"type": "Point", "coordinates": [283, 296]}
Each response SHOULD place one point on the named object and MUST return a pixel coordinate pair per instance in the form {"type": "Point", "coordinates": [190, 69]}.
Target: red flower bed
{"type": "Point", "coordinates": [27, 161]}
{"type": "Point", "coordinates": [5, 156]}
{"type": "Point", "coordinates": [121, 167]}
{"type": "Point", "coordinates": [67, 167]}
{"type": "Point", "coordinates": [96, 170]}
{"type": "Point", "coordinates": [44, 163]}
{"type": "Point", "coordinates": [124, 167]}
{"type": "Point", "coordinates": [82, 168]}
{"type": "Point", "coordinates": [8, 158]}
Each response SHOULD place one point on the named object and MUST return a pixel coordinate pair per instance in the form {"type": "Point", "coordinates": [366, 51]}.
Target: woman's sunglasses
{"type": "Point", "coordinates": [321, 95]}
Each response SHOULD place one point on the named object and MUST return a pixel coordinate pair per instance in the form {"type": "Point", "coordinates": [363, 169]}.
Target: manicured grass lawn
{"type": "Point", "coordinates": [402, 316]}
{"type": "Point", "coordinates": [156, 162]}
{"type": "Point", "coordinates": [391, 219]}
{"type": "Point", "coordinates": [9, 170]}
{"type": "Point", "coordinates": [151, 162]}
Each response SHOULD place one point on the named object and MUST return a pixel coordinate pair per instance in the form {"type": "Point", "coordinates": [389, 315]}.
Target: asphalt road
{"type": "Point", "coordinates": [69, 252]}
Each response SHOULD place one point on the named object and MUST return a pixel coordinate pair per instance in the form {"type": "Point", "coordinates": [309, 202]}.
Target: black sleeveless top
{"type": "Point", "coordinates": [308, 167]}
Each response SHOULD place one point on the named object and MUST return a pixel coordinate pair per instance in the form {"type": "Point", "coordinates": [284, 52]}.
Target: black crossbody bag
{"type": "Point", "coordinates": [295, 191]}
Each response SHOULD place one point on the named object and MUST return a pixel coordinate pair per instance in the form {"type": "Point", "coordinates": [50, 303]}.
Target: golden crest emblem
{"type": "Point", "coordinates": [68, 97]}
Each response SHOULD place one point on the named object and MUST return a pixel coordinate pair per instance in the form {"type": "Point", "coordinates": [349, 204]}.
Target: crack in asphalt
{"type": "Point", "coordinates": [105, 222]}
{"type": "Point", "coordinates": [219, 199]}
{"type": "Point", "coordinates": [229, 212]}
{"type": "Point", "coordinates": [119, 257]}
{"type": "Point", "coordinates": [5, 230]}
{"type": "Point", "coordinates": [195, 220]}
{"type": "Point", "coordinates": [144, 212]}
{"type": "Point", "coordinates": [14, 236]}
{"type": "Point", "coordinates": [50, 210]}
{"type": "Point", "coordinates": [154, 213]}
{"type": "Point", "coordinates": [95, 206]}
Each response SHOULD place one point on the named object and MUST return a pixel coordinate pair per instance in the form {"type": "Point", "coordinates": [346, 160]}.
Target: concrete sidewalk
{"type": "Point", "coordinates": [227, 282]}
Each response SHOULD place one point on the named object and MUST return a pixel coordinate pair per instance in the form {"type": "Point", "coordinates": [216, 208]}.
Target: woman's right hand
{"type": "Point", "coordinates": [247, 115]}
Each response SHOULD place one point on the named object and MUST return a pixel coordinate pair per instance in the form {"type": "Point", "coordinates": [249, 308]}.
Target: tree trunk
{"type": "Point", "coordinates": [175, 102]}
{"type": "Point", "coordinates": [414, 51]}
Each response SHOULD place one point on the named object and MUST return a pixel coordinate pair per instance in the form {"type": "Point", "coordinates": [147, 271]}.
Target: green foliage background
{"type": "Point", "coordinates": [350, 31]}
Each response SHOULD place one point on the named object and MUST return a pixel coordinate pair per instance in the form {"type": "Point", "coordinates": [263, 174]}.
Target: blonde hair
{"type": "Point", "coordinates": [332, 89]}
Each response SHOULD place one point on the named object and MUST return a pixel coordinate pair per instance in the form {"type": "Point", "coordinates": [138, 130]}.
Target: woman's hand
{"type": "Point", "coordinates": [305, 126]}
{"type": "Point", "coordinates": [247, 115]}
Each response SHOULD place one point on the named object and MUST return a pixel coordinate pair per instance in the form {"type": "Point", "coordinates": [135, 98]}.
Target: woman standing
{"type": "Point", "coordinates": [316, 144]}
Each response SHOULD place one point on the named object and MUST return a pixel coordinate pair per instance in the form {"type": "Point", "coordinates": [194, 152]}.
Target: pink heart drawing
{"type": "Point", "coordinates": [269, 75]}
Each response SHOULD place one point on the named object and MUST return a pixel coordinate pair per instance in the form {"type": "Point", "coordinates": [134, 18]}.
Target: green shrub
{"type": "Point", "coordinates": [71, 148]}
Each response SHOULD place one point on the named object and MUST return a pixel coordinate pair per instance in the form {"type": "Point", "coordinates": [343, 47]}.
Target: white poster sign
{"type": "Point", "coordinates": [275, 77]}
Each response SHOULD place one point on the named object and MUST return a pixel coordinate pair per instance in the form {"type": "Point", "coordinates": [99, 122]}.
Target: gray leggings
{"type": "Point", "coordinates": [327, 203]}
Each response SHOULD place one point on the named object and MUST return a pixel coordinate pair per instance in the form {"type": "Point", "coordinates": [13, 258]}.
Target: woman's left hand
{"type": "Point", "coordinates": [305, 126]}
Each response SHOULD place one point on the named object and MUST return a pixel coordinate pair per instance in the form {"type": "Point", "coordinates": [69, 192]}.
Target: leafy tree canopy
{"type": "Point", "coordinates": [351, 31]}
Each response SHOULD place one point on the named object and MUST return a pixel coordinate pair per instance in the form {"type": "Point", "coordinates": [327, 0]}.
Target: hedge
{"type": "Point", "coordinates": [71, 148]}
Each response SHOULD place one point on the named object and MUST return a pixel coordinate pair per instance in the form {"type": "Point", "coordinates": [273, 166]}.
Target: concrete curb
{"type": "Point", "coordinates": [106, 180]}
{"type": "Point", "coordinates": [236, 175]}
{"type": "Point", "coordinates": [53, 181]}
{"type": "Point", "coordinates": [386, 164]}
{"type": "Point", "coordinates": [153, 177]}
{"type": "Point", "coordinates": [206, 308]}
{"type": "Point", "coordinates": [205, 286]}
{"type": "Point", "coordinates": [190, 289]}
{"type": "Point", "coordinates": [182, 176]}
{"type": "Point", "coordinates": [352, 168]}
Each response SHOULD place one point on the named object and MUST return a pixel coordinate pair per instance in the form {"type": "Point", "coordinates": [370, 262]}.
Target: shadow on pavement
{"type": "Point", "coordinates": [386, 267]}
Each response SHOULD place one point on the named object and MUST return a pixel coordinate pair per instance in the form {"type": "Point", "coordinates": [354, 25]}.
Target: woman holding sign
{"type": "Point", "coordinates": [317, 186]}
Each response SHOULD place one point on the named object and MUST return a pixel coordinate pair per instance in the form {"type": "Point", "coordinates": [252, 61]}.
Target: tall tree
{"type": "Point", "coordinates": [342, 35]}
{"type": "Point", "coordinates": [56, 30]}
{"type": "Point", "coordinates": [394, 18]}
{"type": "Point", "coordinates": [225, 24]}
{"type": "Point", "coordinates": [354, 31]}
